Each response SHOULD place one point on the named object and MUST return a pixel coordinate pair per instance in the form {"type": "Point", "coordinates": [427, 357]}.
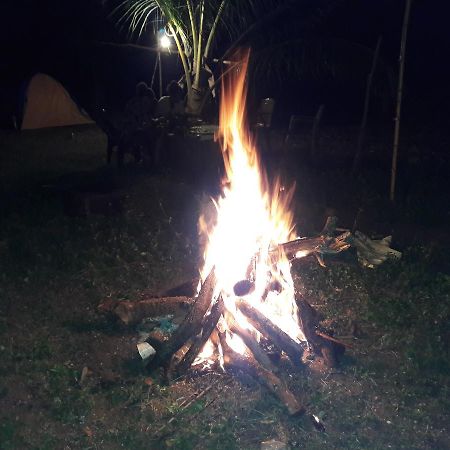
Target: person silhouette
{"type": "Point", "coordinates": [140, 130]}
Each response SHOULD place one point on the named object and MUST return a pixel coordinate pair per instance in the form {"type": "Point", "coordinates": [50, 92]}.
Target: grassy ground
{"type": "Point", "coordinates": [391, 390]}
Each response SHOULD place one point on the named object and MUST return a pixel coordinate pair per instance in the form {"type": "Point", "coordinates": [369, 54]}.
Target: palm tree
{"type": "Point", "coordinates": [292, 46]}
{"type": "Point", "coordinates": [194, 26]}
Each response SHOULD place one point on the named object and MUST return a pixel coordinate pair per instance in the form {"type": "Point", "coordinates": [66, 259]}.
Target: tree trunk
{"type": "Point", "coordinates": [194, 102]}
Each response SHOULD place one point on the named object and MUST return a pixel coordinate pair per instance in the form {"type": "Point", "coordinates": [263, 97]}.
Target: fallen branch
{"type": "Point", "coordinates": [332, 339]}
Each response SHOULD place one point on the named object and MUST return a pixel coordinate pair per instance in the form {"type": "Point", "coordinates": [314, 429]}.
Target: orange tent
{"type": "Point", "coordinates": [48, 104]}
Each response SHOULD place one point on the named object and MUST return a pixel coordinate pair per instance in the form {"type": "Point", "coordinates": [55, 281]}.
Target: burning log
{"type": "Point", "coordinates": [208, 326]}
{"type": "Point", "coordinates": [301, 247]}
{"type": "Point", "coordinates": [251, 342]}
{"type": "Point", "coordinates": [192, 323]}
{"type": "Point", "coordinates": [249, 254]}
{"type": "Point", "coordinates": [266, 327]}
{"type": "Point", "coordinates": [234, 361]}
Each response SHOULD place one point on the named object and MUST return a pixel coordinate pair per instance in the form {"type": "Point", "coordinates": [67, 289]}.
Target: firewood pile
{"type": "Point", "coordinates": [206, 318]}
{"type": "Point", "coordinates": [246, 310]}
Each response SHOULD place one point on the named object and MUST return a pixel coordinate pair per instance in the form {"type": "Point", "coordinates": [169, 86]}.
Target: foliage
{"type": "Point", "coordinates": [9, 439]}
{"type": "Point", "coordinates": [288, 39]}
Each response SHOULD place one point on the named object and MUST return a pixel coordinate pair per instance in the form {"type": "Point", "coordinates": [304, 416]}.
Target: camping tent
{"type": "Point", "coordinates": [48, 104]}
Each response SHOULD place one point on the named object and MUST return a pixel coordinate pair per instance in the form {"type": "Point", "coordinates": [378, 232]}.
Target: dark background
{"type": "Point", "coordinates": [62, 38]}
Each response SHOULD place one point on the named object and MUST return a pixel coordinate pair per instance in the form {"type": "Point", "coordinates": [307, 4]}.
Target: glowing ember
{"type": "Point", "coordinates": [252, 219]}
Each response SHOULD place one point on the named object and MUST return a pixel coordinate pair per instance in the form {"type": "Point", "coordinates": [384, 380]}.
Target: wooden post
{"type": "Point", "coordinates": [362, 128]}
{"type": "Point", "coordinates": [160, 75]}
{"type": "Point", "coordinates": [315, 128]}
{"type": "Point", "coordinates": [399, 99]}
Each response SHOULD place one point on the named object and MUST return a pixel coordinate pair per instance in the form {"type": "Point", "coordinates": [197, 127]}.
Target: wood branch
{"type": "Point", "coordinates": [267, 328]}
{"type": "Point", "coordinates": [309, 318]}
{"type": "Point", "coordinates": [131, 313]}
{"type": "Point", "coordinates": [280, 389]}
{"type": "Point", "coordinates": [302, 247]}
{"type": "Point", "coordinates": [251, 342]}
{"type": "Point", "coordinates": [333, 339]}
{"type": "Point", "coordinates": [330, 226]}
{"type": "Point", "coordinates": [208, 326]}
{"type": "Point", "coordinates": [192, 323]}
{"type": "Point", "coordinates": [233, 361]}
{"type": "Point", "coordinates": [325, 243]}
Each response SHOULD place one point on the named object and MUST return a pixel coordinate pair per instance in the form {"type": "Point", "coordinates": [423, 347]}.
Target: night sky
{"type": "Point", "coordinates": [61, 37]}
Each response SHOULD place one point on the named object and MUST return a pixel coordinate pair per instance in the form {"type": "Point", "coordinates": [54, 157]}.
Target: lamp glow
{"type": "Point", "coordinates": [164, 42]}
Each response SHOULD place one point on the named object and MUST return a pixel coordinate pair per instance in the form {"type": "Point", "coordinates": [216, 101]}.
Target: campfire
{"type": "Point", "coordinates": [246, 315]}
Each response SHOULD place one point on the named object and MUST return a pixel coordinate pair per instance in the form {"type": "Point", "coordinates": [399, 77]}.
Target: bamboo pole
{"type": "Point", "coordinates": [362, 128]}
{"type": "Point", "coordinates": [399, 99]}
{"type": "Point", "coordinates": [160, 75]}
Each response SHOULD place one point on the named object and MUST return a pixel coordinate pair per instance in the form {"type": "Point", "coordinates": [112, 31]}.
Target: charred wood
{"type": "Point", "coordinates": [302, 247]}
{"type": "Point", "coordinates": [250, 341]}
{"type": "Point", "coordinates": [325, 243]}
{"type": "Point", "coordinates": [330, 349]}
{"type": "Point", "coordinates": [208, 326]}
{"type": "Point", "coordinates": [192, 323]}
{"type": "Point", "coordinates": [234, 361]}
{"type": "Point", "coordinates": [267, 328]}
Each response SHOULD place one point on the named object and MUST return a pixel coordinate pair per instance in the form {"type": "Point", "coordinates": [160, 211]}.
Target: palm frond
{"type": "Point", "coordinates": [134, 15]}
{"type": "Point", "coordinates": [316, 59]}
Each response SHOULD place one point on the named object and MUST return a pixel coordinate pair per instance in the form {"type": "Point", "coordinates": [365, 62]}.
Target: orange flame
{"type": "Point", "coordinates": [252, 219]}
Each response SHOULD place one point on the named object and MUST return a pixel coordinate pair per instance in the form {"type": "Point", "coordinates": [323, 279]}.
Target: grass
{"type": "Point", "coordinates": [391, 390]}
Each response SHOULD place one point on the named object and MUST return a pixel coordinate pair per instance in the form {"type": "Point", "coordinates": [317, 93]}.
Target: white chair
{"type": "Point", "coordinates": [264, 113]}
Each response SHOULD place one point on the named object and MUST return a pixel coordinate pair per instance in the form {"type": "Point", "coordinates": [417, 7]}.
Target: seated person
{"type": "Point", "coordinates": [140, 108]}
{"type": "Point", "coordinates": [140, 131]}
{"type": "Point", "coordinates": [172, 104]}
{"type": "Point", "coordinates": [176, 98]}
